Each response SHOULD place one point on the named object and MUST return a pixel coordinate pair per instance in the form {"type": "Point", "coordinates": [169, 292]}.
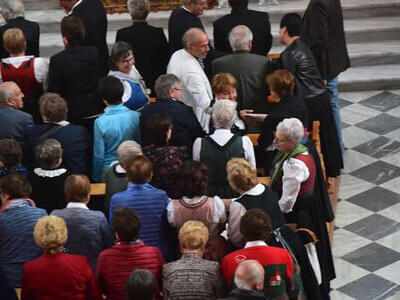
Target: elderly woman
{"type": "Point", "coordinates": [122, 65]}
{"type": "Point", "coordinates": [217, 149]}
{"type": "Point", "coordinates": [166, 159]}
{"type": "Point", "coordinates": [74, 139]}
{"type": "Point", "coordinates": [191, 276]}
{"type": "Point", "coordinates": [57, 275]}
{"type": "Point", "coordinates": [89, 231]}
{"type": "Point", "coordinates": [194, 204]}
{"type": "Point", "coordinates": [28, 72]}
{"type": "Point", "coordinates": [148, 43]}
{"type": "Point", "coordinates": [10, 158]}
{"type": "Point", "coordinates": [48, 179]}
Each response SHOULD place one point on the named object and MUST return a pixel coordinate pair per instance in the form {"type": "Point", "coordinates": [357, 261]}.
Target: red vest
{"type": "Point", "coordinates": [307, 186]}
{"type": "Point", "coordinates": [24, 77]}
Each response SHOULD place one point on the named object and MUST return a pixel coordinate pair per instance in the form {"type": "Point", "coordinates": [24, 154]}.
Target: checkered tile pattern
{"type": "Point", "coordinates": [367, 233]}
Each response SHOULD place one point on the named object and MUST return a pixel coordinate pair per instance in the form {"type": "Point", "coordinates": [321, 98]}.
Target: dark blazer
{"type": "Point", "coordinates": [74, 74]}
{"type": "Point", "coordinates": [250, 71]}
{"type": "Point", "coordinates": [94, 18]}
{"type": "Point", "coordinates": [179, 22]}
{"type": "Point", "coordinates": [186, 126]}
{"type": "Point", "coordinates": [31, 31]}
{"type": "Point", "coordinates": [14, 124]}
{"type": "Point", "coordinates": [258, 23]}
{"type": "Point", "coordinates": [150, 48]}
{"type": "Point", "coordinates": [323, 32]}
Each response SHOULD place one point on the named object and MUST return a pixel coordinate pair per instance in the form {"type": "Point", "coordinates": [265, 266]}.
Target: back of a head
{"type": "Point", "coordinates": [293, 24]}
{"type": "Point", "coordinates": [50, 234]}
{"type": "Point", "coordinates": [15, 186]}
{"type": "Point", "coordinates": [140, 170]}
{"type": "Point", "coordinates": [192, 180]}
{"type": "Point", "coordinates": [6, 92]}
{"type": "Point", "coordinates": [249, 275]}
{"type": "Point", "coordinates": [14, 41]}
{"type": "Point", "coordinates": [127, 151]}
{"type": "Point", "coordinates": [141, 285]}
{"type": "Point", "coordinates": [224, 114]}
{"type": "Point", "coordinates": [139, 9]}
{"type": "Point", "coordinates": [255, 225]}
{"type": "Point", "coordinates": [126, 224]}
{"type": "Point", "coordinates": [193, 235]}
{"type": "Point", "coordinates": [10, 153]}
{"type": "Point", "coordinates": [73, 30]}
{"type": "Point", "coordinates": [164, 84]}
{"type": "Point", "coordinates": [77, 188]}
{"type": "Point", "coordinates": [240, 38]}
{"type": "Point", "coordinates": [281, 82]}
{"type": "Point", "coordinates": [111, 90]}
{"type": "Point", "coordinates": [156, 128]}
{"type": "Point", "coordinates": [13, 8]}
{"type": "Point", "coordinates": [53, 108]}
{"type": "Point", "coordinates": [241, 174]}
{"type": "Point", "coordinates": [48, 154]}
{"type": "Point", "coordinates": [238, 4]}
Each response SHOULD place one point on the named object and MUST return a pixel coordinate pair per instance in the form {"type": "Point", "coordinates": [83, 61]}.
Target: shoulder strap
{"type": "Point", "coordinates": [47, 133]}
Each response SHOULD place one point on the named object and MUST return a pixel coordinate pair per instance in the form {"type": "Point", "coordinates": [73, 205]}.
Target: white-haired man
{"type": "Point", "coordinates": [185, 64]}
{"type": "Point", "coordinates": [13, 13]}
{"type": "Point", "coordinates": [249, 69]}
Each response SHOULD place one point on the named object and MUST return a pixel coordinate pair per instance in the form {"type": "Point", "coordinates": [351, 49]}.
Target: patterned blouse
{"type": "Point", "coordinates": [166, 162]}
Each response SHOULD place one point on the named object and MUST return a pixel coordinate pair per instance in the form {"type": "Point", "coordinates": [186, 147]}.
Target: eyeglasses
{"type": "Point", "coordinates": [279, 141]}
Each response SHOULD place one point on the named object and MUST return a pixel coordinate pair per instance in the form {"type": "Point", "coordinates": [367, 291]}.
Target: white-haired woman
{"type": "Point", "coordinates": [218, 148]}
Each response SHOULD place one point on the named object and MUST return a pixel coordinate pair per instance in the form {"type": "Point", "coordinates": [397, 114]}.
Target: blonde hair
{"type": "Point", "coordinates": [14, 41]}
{"type": "Point", "coordinates": [193, 235]}
{"type": "Point", "coordinates": [50, 234]}
{"type": "Point", "coordinates": [241, 174]}
{"type": "Point", "coordinates": [222, 81]}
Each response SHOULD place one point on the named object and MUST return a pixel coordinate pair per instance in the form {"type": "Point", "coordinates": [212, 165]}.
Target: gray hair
{"type": "Point", "coordinates": [127, 151]}
{"type": "Point", "coordinates": [191, 36]}
{"type": "Point", "coordinates": [165, 83]}
{"type": "Point", "coordinates": [6, 91]}
{"type": "Point", "coordinates": [248, 273]}
{"type": "Point", "coordinates": [141, 284]}
{"type": "Point", "coordinates": [224, 114]}
{"type": "Point", "coordinates": [139, 9]}
{"type": "Point", "coordinates": [13, 8]}
{"type": "Point", "coordinates": [239, 38]}
{"type": "Point", "coordinates": [291, 128]}
{"type": "Point", "coordinates": [48, 153]}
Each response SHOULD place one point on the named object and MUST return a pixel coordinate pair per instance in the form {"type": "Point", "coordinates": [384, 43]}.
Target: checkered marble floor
{"type": "Point", "coordinates": [367, 233]}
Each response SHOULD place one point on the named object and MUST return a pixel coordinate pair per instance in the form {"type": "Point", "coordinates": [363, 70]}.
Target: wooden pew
{"type": "Point", "coordinates": [152, 100]}
{"type": "Point", "coordinates": [18, 292]}
{"type": "Point", "coordinates": [97, 189]}
{"type": "Point", "coordinates": [254, 138]}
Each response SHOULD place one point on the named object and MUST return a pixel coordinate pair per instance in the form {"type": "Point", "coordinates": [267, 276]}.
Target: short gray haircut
{"type": "Point", "coordinates": [141, 284]}
{"type": "Point", "coordinates": [13, 8]}
{"type": "Point", "coordinates": [48, 153]}
{"type": "Point", "coordinates": [127, 151]}
{"type": "Point", "coordinates": [248, 273]}
{"type": "Point", "coordinates": [292, 129]}
{"type": "Point", "coordinates": [139, 9]}
{"type": "Point", "coordinates": [165, 83]}
{"type": "Point", "coordinates": [224, 114]}
{"type": "Point", "coordinates": [190, 36]}
{"type": "Point", "coordinates": [239, 38]}
{"type": "Point", "coordinates": [6, 91]}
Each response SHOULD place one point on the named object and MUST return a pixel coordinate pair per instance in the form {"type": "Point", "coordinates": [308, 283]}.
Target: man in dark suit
{"type": "Point", "coordinates": [257, 21]}
{"type": "Point", "coordinates": [14, 123]}
{"type": "Point", "coordinates": [13, 14]}
{"type": "Point", "coordinates": [186, 126]}
{"type": "Point", "coordinates": [250, 70]}
{"type": "Point", "coordinates": [148, 43]}
{"type": "Point", "coordinates": [94, 18]}
{"type": "Point", "coordinates": [323, 32]}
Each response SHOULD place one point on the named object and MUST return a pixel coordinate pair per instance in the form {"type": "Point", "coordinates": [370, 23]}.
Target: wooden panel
{"type": "Point", "coordinates": [97, 189]}
{"type": "Point", "coordinates": [265, 180]}
{"type": "Point", "coordinates": [274, 55]}
{"type": "Point", "coordinates": [18, 292]}
{"type": "Point", "coordinates": [254, 138]}
{"type": "Point", "coordinates": [152, 100]}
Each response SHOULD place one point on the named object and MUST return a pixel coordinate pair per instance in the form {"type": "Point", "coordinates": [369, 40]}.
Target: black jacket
{"type": "Point", "coordinates": [242, 294]}
{"type": "Point", "coordinates": [323, 32]}
{"type": "Point", "coordinates": [94, 18]}
{"type": "Point", "coordinates": [258, 23]}
{"type": "Point", "coordinates": [186, 126]}
{"type": "Point", "coordinates": [74, 74]}
{"type": "Point", "coordinates": [150, 48]}
{"type": "Point", "coordinates": [31, 31]}
{"type": "Point", "coordinates": [298, 59]}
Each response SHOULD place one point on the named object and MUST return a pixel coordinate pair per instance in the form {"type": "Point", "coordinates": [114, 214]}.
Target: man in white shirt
{"type": "Point", "coordinates": [186, 64]}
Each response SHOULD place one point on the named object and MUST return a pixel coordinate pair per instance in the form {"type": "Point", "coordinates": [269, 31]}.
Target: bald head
{"type": "Point", "coordinates": [11, 95]}
{"type": "Point", "coordinates": [195, 41]}
{"type": "Point", "coordinates": [249, 275]}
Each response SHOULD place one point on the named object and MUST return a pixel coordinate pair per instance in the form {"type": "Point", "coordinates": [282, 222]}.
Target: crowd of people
{"type": "Point", "coordinates": [184, 215]}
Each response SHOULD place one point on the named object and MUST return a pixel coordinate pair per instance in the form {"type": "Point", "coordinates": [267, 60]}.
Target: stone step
{"type": "Point", "coordinates": [375, 77]}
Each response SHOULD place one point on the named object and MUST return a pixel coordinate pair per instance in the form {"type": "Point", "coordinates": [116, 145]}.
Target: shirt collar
{"type": "Point", "coordinates": [49, 173]}
{"type": "Point", "coordinates": [255, 191]}
{"type": "Point", "coordinates": [77, 205]}
{"type": "Point", "coordinates": [115, 108]}
{"type": "Point", "coordinates": [255, 243]}
{"type": "Point", "coordinates": [73, 7]}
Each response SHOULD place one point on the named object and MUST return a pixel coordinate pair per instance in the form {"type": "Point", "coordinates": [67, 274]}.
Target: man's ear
{"type": "Point", "coordinates": [65, 41]}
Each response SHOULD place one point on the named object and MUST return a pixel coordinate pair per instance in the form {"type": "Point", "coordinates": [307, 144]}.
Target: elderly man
{"type": "Point", "coordinates": [293, 178]}
{"type": "Point", "coordinates": [18, 216]}
{"type": "Point", "coordinates": [185, 64]}
{"type": "Point", "coordinates": [148, 43]}
{"type": "Point", "coordinates": [187, 128]}
{"type": "Point", "coordinates": [249, 69]}
{"type": "Point", "coordinates": [94, 18]}
{"type": "Point", "coordinates": [13, 14]}
{"type": "Point", "coordinates": [257, 21]}
{"type": "Point", "coordinates": [249, 279]}
{"type": "Point", "coordinates": [14, 123]}
{"type": "Point", "coordinates": [191, 276]}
